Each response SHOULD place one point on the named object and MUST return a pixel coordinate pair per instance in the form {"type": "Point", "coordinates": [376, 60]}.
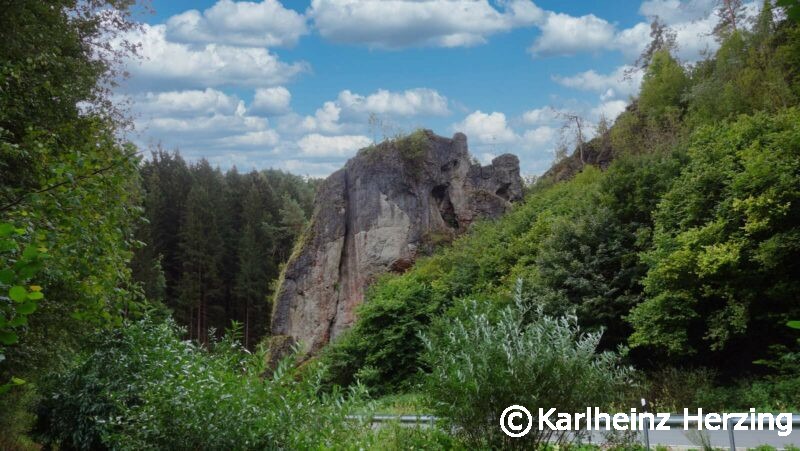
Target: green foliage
{"type": "Point", "coordinates": [725, 244]}
{"type": "Point", "coordinates": [487, 361]}
{"type": "Point", "coordinates": [792, 8]}
{"type": "Point", "coordinates": [412, 147]}
{"type": "Point", "coordinates": [752, 71]}
{"type": "Point", "coordinates": [145, 388]}
{"type": "Point", "coordinates": [662, 88]}
{"type": "Point", "coordinates": [629, 133]}
{"type": "Point", "coordinates": [382, 348]}
{"type": "Point", "coordinates": [673, 389]}
{"type": "Point", "coordinates": [23, 259]}
{"type": "Point", "coordinates": [395, 437]}
{"type": "Point", "coordinates": [68, 188]}
{"type": "Point", "coordinates": [408, 403]}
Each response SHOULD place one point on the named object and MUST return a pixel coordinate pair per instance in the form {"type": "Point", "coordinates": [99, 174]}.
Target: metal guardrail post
{"type": "Point", "coordinates": [730, 434]}
{"type": "Point", "coordinates": [647, 426]}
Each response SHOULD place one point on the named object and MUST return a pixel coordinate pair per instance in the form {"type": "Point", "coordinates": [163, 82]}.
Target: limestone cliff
{"type": "Point", "coordinates": [389, 204]}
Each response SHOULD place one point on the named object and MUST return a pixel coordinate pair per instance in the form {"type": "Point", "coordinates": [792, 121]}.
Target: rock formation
{"type": "Point", "coordinates": [389, 204]}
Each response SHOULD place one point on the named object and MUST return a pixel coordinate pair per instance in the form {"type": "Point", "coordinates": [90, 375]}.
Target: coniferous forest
{"type": "Point", "coordinates": [658, 259]}
{"type": "Point", "coordinates": [212, 243]}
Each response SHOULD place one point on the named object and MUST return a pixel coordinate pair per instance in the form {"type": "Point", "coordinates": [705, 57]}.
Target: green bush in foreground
{"type": "Point", "coordinates": [145, 388]}
{"type": "Point", "coordinates": [492, 360]}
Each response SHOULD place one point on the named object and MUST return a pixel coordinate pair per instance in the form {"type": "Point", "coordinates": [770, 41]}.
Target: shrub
{"type": "Point", "coordinates": [144, 388]}
{"type": "Point", "coordinates": [673, 389]}
{"type": "Point", "coordinates": [722, 271]}
{"type": "Point", "coordinates": [482, 365]}
{"type": "Point", "coordinates": [382, 348]}
{"type": "Point", "coordinates": [770, 394]}
{"type": "Point", "coordinates": [663, 86]}
{"type": "Point", "coordinates": [396, 436]}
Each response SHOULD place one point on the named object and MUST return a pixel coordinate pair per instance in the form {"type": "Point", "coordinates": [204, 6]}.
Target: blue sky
{"type": "Point", "coordinates": [301, 85]}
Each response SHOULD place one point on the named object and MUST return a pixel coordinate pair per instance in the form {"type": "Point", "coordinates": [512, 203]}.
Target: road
{"type": "Point", "coordinates": [676, 437]}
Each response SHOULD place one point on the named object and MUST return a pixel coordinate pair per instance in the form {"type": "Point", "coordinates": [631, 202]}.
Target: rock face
{"type": "Point", "coordinates": [389, 204]}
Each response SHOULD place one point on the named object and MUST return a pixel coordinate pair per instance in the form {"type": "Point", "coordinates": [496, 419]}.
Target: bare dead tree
{"type": "Point", "coordinates": [730, 13]}
{"type": "Point", "coordinates": [575, 123]}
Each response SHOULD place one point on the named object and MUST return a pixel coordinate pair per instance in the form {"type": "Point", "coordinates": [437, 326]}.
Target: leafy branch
{"type": "Point", "coordinates": [69, 180]}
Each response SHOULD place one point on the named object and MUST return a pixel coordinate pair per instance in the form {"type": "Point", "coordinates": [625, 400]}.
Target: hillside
{"type": "Point", "coordinates": [677, 236]}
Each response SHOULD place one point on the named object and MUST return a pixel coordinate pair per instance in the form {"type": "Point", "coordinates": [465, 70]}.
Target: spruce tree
{"type": "Point", "coordinates": [201, 251]}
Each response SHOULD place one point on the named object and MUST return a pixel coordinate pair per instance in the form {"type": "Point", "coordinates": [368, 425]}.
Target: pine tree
{"type": "Point", "coordinates": [661, 38]}
{"type": "Point", "coordinates": [167, 182]}
{"type": "Point", "coordinates": [731, 14]}
{"type": "Point", "coordinates": [292, 216]}
{"type": "Point", "coordinates": [234, 191]}
{"type": "Point", "coordinates": [201, 251]}
{"type": "Point", "coordinates": [252, 281]}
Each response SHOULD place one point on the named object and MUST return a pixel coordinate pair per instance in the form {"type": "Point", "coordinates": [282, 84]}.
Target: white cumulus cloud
{"type": "Point", "coordinates": [256, 24]}
{"type": "Point", "coordinates": [191, 102]}
{"type": "Point", "coordinates": [199, 119]}
{"type": "Point", "coordinates": [202, 126]}
{"type": "Point", "coordinates": [412, 102]}
{"type": "Point", "coordinates": [622, 82]}
{"type": "Point", "coordinates": [677, 11]}
{"type": "Point", "coordinates": [543, 136]}
{"type": "Point", "coordinates": [167, 63]}
{"type": "Point", "coordinates": [541, 116]}
{"type": "Point", "coordinates": [563, 34]}
{"type": "Point", "coordinates": [325, 119]}
{"type": "Point", "coordinates": [350, 110]}
{"type": "Point", "coordinates": [691, 20]}
{"type": "Point", "coordinates": [491, 128]}
{"type": "Point", "coordinates": [317, 145]}
{"type": "Point", "coordinates": [609, 109]}
{"type": "Point", "coordinates": [271, 101]}
{"type": "Point", "coordinates": [406, 23]}
{"type": "Point", "coordinates": [261, 138]}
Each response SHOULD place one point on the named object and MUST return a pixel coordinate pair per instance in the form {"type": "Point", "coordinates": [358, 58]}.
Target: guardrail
{"type": "Point", "coordinates": [673, 420]}
{"type": "Point", "coordinates": [405, 419]}
{"type": "Point", "coordinates": [679, 420]}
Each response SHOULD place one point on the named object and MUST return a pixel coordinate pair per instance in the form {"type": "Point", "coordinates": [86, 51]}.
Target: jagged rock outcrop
{"type": "Point", "coordinates": [389, 204]}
